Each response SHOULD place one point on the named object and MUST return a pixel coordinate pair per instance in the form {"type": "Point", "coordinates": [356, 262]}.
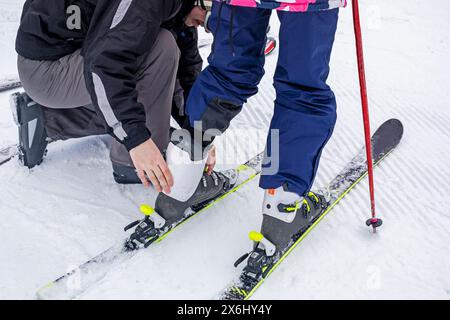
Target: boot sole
{"type": "Point", "coordinates": [28, 127]}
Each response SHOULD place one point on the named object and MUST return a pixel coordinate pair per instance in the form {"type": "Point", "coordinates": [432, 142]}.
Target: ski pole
{"type": "Point", "coordinates": [374, 221]}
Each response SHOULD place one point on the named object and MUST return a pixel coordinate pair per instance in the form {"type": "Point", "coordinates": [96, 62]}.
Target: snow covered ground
{"type": "Point", "coordinates": [68, 209]}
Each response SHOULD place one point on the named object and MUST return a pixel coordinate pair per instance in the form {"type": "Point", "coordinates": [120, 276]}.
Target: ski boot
{"type": "Point", "coordinates": [33, 140]}
{"type": "Point", "coordinates": [125, 174]}
{"type": "Point", "coordinates": [285, 217]}
{"type": "Point", "coordinates": [168, 212]}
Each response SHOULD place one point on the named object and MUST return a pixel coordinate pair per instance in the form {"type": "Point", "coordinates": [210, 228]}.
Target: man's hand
{"type": "Point", "coordinates": [211, 161]}
{"type": "Point", "coordinates": [196, 17]}
{"type": "Point", "coordinates": [149, 162]}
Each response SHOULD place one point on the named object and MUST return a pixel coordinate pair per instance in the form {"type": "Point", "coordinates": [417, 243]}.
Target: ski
{"type": "Point", "coordinates": [385, 140]}
{"type": "Point", "coordinates": [75, 282]}
{"type": "Point", "coordinates": [9, 84]}
{"type": "Point", "coordinates": [7, 153]}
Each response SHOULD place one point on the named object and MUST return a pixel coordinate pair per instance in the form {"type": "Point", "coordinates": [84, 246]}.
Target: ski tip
{"type": "Point", "coordinates": [394, 126]}
{"type": "Point", "coordinates": [387, 137]}
{"type": "Point", "coordinates": [396, 123]}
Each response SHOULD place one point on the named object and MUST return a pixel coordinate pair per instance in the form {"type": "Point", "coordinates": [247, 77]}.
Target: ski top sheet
{"type": "Point", "coordinates": [74, 283]}
{"type": "Point", "coordinates": [385, 140]}
{"type": "Point", "coordinates": [7, 153]}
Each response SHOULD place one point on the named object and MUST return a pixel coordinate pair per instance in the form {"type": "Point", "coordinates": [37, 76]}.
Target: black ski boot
{"type": "Point", "coordinates": [210, 187]}
{"type": "Point", "coordinates": [285, 217]}
{"type": "Point", "coordinates": [285, 214]}
{"type": "Point", "coordinates": [169, 212]}
{"type": "Point", "coordinates": [125, 174]}
{"type": "Point", "coordinates": [33, 140]}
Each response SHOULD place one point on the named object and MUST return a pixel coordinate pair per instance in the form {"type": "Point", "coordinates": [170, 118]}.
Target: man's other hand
{"type": "Point", "coordinates": [211, 160]}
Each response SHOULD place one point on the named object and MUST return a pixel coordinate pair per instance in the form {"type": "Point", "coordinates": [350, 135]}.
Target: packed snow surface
{"type": "Point", "coordinates": [67, 210]}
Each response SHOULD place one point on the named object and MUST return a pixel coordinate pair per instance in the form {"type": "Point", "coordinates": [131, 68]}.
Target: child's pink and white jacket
{"type": "Point", "coordinates": [289, 5]}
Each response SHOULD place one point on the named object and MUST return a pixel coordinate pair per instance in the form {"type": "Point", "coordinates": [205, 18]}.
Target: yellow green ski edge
{"type": "Point", "coordinates": [248, 295]}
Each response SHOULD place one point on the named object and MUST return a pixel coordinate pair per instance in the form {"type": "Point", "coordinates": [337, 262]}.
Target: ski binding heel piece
{"type": "Point", "coordinates": [147, 230]}
{"type": "Point", "coordinates": [150, 212]}
{"type": "Point", "coordinates": [260, 258]}
{"type": "Point", "coordinates": [260, 240]}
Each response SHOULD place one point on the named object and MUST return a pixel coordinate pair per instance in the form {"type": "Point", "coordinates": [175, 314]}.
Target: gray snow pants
{"type": "Point", "coordinates": [60, 87]}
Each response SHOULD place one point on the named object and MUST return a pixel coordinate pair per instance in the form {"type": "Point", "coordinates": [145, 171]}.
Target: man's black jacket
{"type": "Point", "coordinates": [112, 34]}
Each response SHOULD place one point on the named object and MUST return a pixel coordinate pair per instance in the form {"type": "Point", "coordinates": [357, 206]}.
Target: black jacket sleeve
{"type": "Point", "coordinates": [121, 32]}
